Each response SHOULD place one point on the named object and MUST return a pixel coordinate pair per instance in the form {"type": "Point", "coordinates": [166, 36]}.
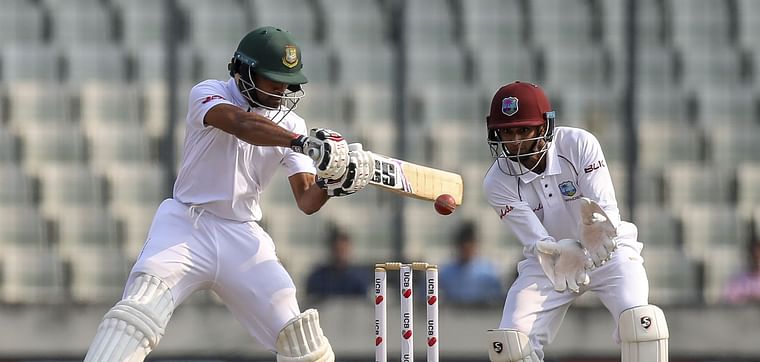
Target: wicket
{"type": "Point", "coordinates": [407, 309]}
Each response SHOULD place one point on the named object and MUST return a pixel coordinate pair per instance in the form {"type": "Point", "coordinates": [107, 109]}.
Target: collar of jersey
{"type": "Point", "coordinates": [236, 95]}
{"type": "Point", "coordinates": [552, 166]}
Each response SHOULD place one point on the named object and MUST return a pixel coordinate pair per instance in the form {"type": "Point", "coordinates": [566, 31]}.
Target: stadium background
{"type": "Point", "coordinates": [93, 95]}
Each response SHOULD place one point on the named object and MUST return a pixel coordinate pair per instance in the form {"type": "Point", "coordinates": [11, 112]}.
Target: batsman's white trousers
{"type": "Point", "coordinates": [190, 249]}
{"type": "Point", "coordinates": [533, 306]}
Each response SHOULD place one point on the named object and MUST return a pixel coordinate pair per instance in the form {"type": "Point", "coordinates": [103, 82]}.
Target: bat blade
{"type": "Point", "coordinates": [414, 180]}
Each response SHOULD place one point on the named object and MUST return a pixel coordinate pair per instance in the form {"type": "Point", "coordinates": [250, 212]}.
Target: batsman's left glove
{"type": "Point", "coordinates": [361, 166]}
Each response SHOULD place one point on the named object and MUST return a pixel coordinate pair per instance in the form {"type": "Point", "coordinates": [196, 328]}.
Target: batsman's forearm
{"type": "Point", "coordinates": [312, 200]}
{"type": "Point", "coordinates": [261, 131]}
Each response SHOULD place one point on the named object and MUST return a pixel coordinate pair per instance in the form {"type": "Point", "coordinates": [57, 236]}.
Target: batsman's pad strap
{"type": "Point", "coordinates": [135, 325]}
{"type": "Point", "coordinates": [643, 334]}
{"type": "Point", "coordinates": [509, 345]}
{"type": "Point", "coordinates": [302, 340]}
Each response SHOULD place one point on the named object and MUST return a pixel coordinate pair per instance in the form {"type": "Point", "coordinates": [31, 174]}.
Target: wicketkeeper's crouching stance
{"type": "Point", "coordinates": [239, 132]}
{"type": "Point", "coordinates": [551, 186]}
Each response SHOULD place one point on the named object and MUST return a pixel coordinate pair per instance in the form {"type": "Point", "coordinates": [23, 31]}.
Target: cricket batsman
{"type": "Point", "coordinates": [551, 186]}
{"type": "Point", "coordinates": [238, 133]}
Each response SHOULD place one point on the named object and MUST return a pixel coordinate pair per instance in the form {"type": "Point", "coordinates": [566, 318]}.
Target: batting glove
{"type": "Point", "coordinates": [327, 148]}
{"type": "Point", "coordinates": [358, 173]}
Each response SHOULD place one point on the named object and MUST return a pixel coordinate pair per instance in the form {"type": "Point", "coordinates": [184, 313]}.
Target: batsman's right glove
{"type": "Point", "coordinates": [361, 166]}
{"type": "Point", "coordinates": [327, 149]}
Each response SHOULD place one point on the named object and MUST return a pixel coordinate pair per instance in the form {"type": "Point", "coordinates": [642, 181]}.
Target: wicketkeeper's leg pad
{"type": "Point", "coordinates": [643, 334]}
{"type": "Point", "coordinates": [509, 345]}
{"type": "Point", "coordinates": [302, 340]}
{"type": "Point", "coordinates": [135, 325]}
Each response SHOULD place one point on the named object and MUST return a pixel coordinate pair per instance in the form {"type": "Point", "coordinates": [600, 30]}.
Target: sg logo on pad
{"type": "Point", "coordinates": [498, 347]}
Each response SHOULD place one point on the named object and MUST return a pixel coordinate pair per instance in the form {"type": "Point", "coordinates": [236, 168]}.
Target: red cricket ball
{"type": "Point", "coordinates": [445, 204]}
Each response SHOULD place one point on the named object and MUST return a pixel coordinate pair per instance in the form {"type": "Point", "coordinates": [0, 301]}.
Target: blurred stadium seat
{"type": "Point", "coordinates": [22, 225]}
{"type": "Point", "coordinates": [736, 106]}
{"type": "Point", "coordinates": [49, 144]}
{"type": "Point", "coordinates": [150, 64]}
{"type": "Point", "coordinates": [31, 275]}
{"type": "Point", "coordinates": [363, 64]}
{"type": "Point", "coordinates": [85, 228]}
{"type": "Point", "coordinates": [560, 23]}
{"type": "Point", "coordinates": [728, 146]}
{"type": "Point", "coordinates": [103, 62]}
{"type": "Point", "coordinates": [118, 143]}
{"type": "Point", "coordinates": [21, 22]}
{"type": "Point", "coordinates": [17, 187]}
{"type": "Point", "coordinates": [431, 23]}
{"type": "Point", "coordinates": [699, 22]}
{"type": "Point", "coordinates": [320, 64]}
{"type": "Point", "coordinates": [672, 277]}
{"type": "Point", "coordinates": [144, 23]}
{"type": "Point", "coordinates": [98, 275]}
{"type": "Point", "coordinates": [661, 144]}
{"type": "Point", "coordinates": [688, 183]}
{"type": "Point", "coordinates": [9, 148]}
{"type": "Point", "coordinates": [723, 263]}
{"type": "Point", "coordinates": [220, 23]}
{"type": "Point", "coordinates": [67, 185]}
{"type": "Point", "coordinates": [108, 103]}
{"type": "Point", "coordinates": [30, 61]}
{"type": "Point", "coordinates": [135, 184]}
{"type": "Point", "coordinates": [706, 227]}
{"type": "Point", "coordinates": [657, 226]}
{"type": "Point", "coordinates": [748, 187]}
{"type": "Point", "coordinates": [354, 24]}
{"type": "Point", "coordinates": [24, 102]}
{"type": "Point", "coordinates": [81, 22]}
{"type": "Point", "coordinates": [720, 65]}
{"type": "Point", "coordinates": [662, 103]}
{"type": "Point", "coordinates": [299, 17]}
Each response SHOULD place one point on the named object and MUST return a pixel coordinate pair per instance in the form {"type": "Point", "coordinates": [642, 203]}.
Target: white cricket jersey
{"type": "Point", "coordinates": [226, 175]}
{"type": "Point", "coordinates": [537, 207]}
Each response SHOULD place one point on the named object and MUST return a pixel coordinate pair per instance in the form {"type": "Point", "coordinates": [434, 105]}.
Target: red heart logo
{"type": "Point", "coordinates": [432, 341]}
{"type": "Point", "coordinates": [407, 293]}
{"type": "Point", "coordinates": [407, 334]}
{"type": "Point", "coordinates": [378, 341]}
{"type": "Point", "coordinates": [432, 299]}
{"type": "Point", "coordinates": [379, 299]}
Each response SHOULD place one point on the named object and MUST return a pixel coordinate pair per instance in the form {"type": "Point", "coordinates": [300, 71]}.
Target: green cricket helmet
{"type": "Point", "coordinates": [273, 54]}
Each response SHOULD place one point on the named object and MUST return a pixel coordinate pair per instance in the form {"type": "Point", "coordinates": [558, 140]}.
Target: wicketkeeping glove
{"type": "Point", "coordinates": [565, 263]}
{"type": "Point", "coordinates": [327, 148]}
{"type": "Point", "coordinates": [598, 235]}
{"type": "Point", "coordinates": [359, 171]}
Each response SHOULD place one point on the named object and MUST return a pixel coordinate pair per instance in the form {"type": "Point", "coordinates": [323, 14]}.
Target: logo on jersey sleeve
{"type": "Point", "coordinates": [509, 106]}
{"type": "Point", "coordinates": [594, 166]}
{"type": "Point", "coordinates": [503, 211]}
{"type": "Point", "coordinates": [291, 56]}
{"type": "Point", "coordinates": [567, 188]}
{"type": "Point", "coordinates": [211, 98]}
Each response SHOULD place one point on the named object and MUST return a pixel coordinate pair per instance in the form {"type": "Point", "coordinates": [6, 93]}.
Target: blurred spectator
{"type": "Point", "coordinates": [338, 277]}
{"type": "Point", "coordinates": [469, 278]}
{"type": "Point", "coordinates": [745, 287]}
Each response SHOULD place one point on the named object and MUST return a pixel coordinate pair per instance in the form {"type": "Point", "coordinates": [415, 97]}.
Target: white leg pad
{"type": "Point", "coordinates": [135, 325]}
{"type": "Point", "coordinates": [509, 345]}
{"type": "Point", "coordinates": [643, 334]}
{"type": "Point", "coordinates": [302, 340]}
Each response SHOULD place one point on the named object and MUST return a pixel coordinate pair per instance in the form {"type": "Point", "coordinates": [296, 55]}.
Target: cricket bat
{"type": "Point", "coordinates": [416, 181]}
